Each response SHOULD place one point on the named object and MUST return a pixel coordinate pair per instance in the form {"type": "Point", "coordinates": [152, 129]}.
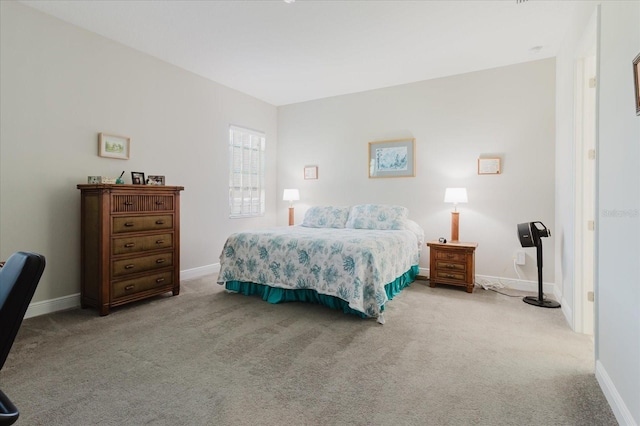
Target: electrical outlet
{"type": "Point", "coordinates": [520, 258]}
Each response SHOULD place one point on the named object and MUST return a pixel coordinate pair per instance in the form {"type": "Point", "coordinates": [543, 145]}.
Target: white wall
{"type": "Point", "coordinates": [60, 87]}
{"type": "Point", "coordinates": [618, 206]}
{"type": "Point", "coordinates": [506, 111]}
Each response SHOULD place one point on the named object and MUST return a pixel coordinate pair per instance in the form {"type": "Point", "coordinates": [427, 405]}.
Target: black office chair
{"type": "Point", "coordinates": [19, 278]}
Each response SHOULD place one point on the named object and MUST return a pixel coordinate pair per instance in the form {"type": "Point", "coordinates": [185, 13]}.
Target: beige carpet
{"type": "Point", "coordinates": [206, 357]}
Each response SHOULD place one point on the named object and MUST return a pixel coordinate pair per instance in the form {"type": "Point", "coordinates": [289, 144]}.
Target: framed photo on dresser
{"type": "Point", "coordinates": [137, 178]}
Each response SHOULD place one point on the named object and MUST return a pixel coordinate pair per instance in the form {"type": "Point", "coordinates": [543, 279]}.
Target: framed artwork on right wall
{"type": "Point", "coordinates": [636, 81]}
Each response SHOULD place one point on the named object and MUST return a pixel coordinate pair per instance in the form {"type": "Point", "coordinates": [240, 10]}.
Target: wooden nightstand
{"type": "Point", "coordinates": [452, 264]}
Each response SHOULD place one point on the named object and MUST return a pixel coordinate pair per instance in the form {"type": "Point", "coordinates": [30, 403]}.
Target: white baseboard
{"type": "Point", "coordinates": [514, 284]}
{"type": "Point", "coordinates": [201, 271]}
{"type": "Point", "coordinates": [73, 301]}
{"type": "Point", "coordinates": [619, 408]}
{"type": "Point", "coordinates": [53, 305]}
{"type": "Point", "coordinates": [567, 312]}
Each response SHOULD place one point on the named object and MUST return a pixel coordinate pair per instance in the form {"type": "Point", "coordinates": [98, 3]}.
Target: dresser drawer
{"type": "Point", "coordinates": [450, 255]}
{"type": "Point", "coordinates": [451, 275]}
{"type": "Point", "coordinates": [126, 245]}
{"type": "Point", "coordinates": [149, 282]}
{"type": "Point", "coordinates": [141, 264]}
{"type": "Point", "coordinates": [121, 203]}
{"type": "Point", "coordinates": [451, 266]}
{"type": "Point", "coordinates": [142, 223]}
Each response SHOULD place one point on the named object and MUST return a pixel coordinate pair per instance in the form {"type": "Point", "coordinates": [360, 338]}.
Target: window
{"type": "Point", "coordinates": [246, 172]}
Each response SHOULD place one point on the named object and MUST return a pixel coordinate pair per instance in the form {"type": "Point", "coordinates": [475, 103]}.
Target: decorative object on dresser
{"type": "Point", "coordinates": [452, 264]}
{"type": "Point", "coordinates": [137, 178]}
{"type": "Point", "coordinates": [455, 196]}
{"type": "Point", "coordinates": [155, 180]}
{"type": "Point", "coordinates": [291, 195]}
{"type": "Point", "coordinates": [130, 243]}
{"type": "Point", "coordinates": [112, 146]}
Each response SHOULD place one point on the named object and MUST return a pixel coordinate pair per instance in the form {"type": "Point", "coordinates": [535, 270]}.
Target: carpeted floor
{"type": "Point", "coordinates": [206, 357]}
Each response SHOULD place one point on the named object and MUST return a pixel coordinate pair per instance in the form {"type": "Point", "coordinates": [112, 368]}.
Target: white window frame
{"type": "Point", "coordinates": [246, 172]}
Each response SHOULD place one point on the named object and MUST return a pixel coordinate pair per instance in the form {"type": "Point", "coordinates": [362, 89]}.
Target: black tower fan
{"type": "Point", "coordinates": [530, 234]}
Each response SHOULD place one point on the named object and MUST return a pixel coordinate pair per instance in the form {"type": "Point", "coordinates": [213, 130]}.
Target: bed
{"type": "Point", "coordinates": [351, 258]}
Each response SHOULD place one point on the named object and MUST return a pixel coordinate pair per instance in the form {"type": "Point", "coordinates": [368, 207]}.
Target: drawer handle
{"type": "Point", "coordinates": [128, 203]}
{"type": "Point", "coordinates": [450, 265]}
{"type": "Point", "coordinates": [159, 202]}
{"type": "Point", "coordinates": [129, 287]}
{"type": "Point", "coordinates": [129, 224]}
{"type": "Point", "coordinates": [130, 266]}
{"type": "Point", "coordinates": [159, 222]}
{"type": "Point", "coordinates": [160, 280]}
{"type": "Point", "coordinates": [160, 242]}
{"type": "Point", "coordinates": [129, 245]}
{"type": "Point", "coordinates": [160, 261]}
{"type": "Point", "coordinates": [450, 276]}
{"type": "Point", "coordinates": [450, 256]}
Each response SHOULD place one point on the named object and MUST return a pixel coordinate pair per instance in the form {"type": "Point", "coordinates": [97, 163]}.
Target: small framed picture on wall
{"type": "Point", "coordinates": [311, 172]}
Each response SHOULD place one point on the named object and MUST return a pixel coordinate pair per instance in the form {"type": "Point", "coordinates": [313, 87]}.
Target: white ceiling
{"type": "Point", "coordinates": [286, 53]}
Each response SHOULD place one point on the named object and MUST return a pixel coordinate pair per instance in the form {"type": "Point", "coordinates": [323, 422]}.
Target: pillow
{"type": "Point", "coordinates": [326, 217]}
{"type": "Point", "coordinates": [416, 229]}
{"type": "Point", "coordinates": [377, 216]}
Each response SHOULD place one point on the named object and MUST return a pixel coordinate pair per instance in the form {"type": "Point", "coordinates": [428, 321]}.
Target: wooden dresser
{"type": "Point", "coordinates": [130, 243]}
{"type": "Point", "coordinates": [452, 263]}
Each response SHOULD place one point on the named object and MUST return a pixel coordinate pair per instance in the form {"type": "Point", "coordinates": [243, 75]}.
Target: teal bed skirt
{"type": "Point", "coordinates": [279, 295]}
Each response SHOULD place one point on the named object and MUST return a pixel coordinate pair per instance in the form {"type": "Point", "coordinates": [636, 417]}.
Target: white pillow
{"type": "Point", "coordinates": [326, 217]}
{"type": "Point", "coordinates": [377, 216]}
{"type": "Point", "coordinates": [416, 229]}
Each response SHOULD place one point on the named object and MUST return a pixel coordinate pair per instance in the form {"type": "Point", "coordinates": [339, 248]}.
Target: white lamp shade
{"type": "Point", "coordinates": [455, 195]}
{"type": "Point", "coordinates": [291, 195]}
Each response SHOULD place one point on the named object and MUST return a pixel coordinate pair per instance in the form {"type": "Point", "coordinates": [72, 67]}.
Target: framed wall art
{"type": "Point", "coordinates": [392, 158]}
{"type": "Point", "coordinates": [489, 166]}
{"type": "Point", "coordinates": [636, 82]}
{"type": "Point", "coordinates": [112, 146]}
{"type": "Point", "coordinates": [311, 172]}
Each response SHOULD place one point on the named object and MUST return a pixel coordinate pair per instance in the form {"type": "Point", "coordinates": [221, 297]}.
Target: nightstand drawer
{"type": "Point", "coordinates": [451, 266]}
{"type": "Point", "coordinates": [141, 264]}
{"type": "Point", "coordinates": [450, 255]}
{"type": "Point", "coordinates": [450, 275]}
{"type": "Point", "coordinates": [137, 244]}
{"type": "Point", "coordinates": [142, 223]}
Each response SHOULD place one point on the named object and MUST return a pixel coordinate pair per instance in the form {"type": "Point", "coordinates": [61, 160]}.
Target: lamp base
{"type": "Point", "coordinates": [455, 216]}
{"type": "Point", "coordinates": [291, 215]}
{"type": "Point", "coordinates": [544, 303]}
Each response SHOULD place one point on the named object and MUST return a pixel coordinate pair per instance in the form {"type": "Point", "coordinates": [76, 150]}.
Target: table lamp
{"type": "Point", "coordinates": [291, 195]}
{"type": "Point", "coordinates": [455, 196]}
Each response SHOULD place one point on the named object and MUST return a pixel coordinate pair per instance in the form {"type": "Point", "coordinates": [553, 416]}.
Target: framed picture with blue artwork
{"type": "Point", "coordinates": [392, 158]}
{"type": "Point", "coordinates": [636, 82]}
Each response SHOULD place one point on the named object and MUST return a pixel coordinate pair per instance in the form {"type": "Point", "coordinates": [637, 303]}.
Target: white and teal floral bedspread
{"type": "Point", "coordinates": [351, 264]}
